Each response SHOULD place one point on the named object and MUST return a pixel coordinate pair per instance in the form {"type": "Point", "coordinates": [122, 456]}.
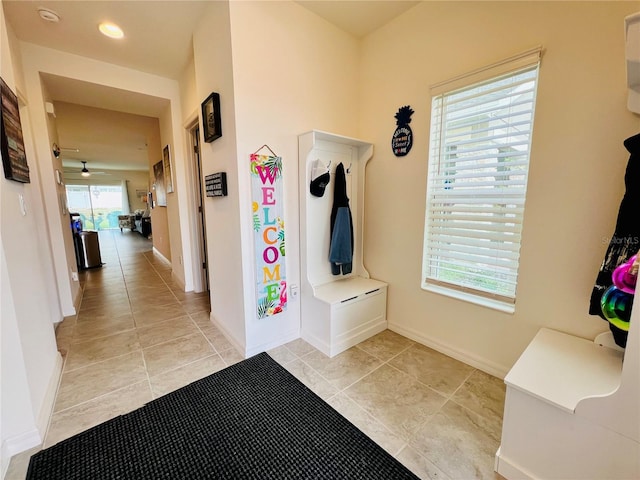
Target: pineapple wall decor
{"type": "Point", "coordinates": [402, 139]}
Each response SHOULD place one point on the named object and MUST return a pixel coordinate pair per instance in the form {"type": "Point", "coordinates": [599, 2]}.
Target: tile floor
{"type": "Point", "coordinates": [138, 336]}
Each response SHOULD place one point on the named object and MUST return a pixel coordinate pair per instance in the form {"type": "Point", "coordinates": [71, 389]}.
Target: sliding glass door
{"type": "Point", "coordinates": [98, 205]}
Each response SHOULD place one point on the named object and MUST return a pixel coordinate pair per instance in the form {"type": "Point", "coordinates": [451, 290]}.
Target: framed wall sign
{"type": "Point", "coordinates": [216, 184]}
{"type": "Point", "coordinates": [211, 122]}
{"type": "Point", "coordinates": [14, 160]}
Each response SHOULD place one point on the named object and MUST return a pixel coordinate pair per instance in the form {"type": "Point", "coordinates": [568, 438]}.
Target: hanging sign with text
{"type": "Point", "coordinates": [268, 228]}
{"type": "Point", "coordinates": [216, 184]}
{"type": "Point", "coordinates": [402, 139]}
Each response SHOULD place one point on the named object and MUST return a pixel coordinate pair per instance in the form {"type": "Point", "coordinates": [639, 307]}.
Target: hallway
{"type": "Point", "coordinates": [138, 336]}
{"type": "Point", "coordinates": [135, 333]}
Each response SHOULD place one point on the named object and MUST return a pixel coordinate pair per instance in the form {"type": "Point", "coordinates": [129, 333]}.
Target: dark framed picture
{"type": "Point", "coordinates": [168, 176]}
{"type": "Point", "coordinates": [211, 123]}
{"type": "Point", "coordinates": [14, 159]}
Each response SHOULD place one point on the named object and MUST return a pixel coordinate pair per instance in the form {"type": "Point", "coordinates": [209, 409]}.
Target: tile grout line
{"type": "Point", "coordinates": [110, 392]}
{"type": "Point", "coordinates": [406, 442]}
{"type": "Point", "coordinates": [135, 323]}
{"type": "Point", "coordinates": [370, 415]}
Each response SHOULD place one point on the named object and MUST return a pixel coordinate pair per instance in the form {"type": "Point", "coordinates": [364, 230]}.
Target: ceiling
{"type": "Point", "coordinates": [157, 40]}
{"type": "Point", "coordinates": [157, 33]}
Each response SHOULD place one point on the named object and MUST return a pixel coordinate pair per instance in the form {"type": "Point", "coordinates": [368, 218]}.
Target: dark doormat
{"type": "Point", "coordinates": [251, 420]}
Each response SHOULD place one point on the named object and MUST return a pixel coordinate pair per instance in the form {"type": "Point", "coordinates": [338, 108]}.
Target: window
{"type": "Point", "coordinates": [481, 126]}
{"type": "Point", "coordinates": [98, 205]}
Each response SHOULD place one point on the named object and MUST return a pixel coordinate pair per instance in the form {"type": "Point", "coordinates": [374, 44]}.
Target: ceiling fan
{"type": "Point", "coordinates": [86, 173]}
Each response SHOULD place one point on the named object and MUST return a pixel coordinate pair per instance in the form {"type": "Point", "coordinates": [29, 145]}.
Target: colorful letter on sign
{"type": "Point", "coordinates": [268, 228]}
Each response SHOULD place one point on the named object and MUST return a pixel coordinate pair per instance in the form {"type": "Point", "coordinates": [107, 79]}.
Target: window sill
{"type": "Point", "coordinates": [469, 297]}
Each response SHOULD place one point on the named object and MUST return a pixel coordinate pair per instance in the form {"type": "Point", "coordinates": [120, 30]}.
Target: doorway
{"type": "Point", "coordinates": [198, 196]}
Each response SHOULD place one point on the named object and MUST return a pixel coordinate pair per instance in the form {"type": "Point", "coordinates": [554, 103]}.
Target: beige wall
{"type": "Point", "coordinates": [576, 175]}
{"type": "Point", "coordinates": [302, 75]}
{"type": "Point", "coordinates": [188, 92]}
{"type": "Point", "coordinates": [159, 218]}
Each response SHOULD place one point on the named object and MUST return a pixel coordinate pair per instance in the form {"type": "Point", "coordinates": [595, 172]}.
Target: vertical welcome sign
{"type": "Point", "coordinates": [268, 227]}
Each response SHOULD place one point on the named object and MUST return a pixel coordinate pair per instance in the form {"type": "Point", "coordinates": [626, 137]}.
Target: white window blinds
{"type": "Point", "coordinates": [478, 164]}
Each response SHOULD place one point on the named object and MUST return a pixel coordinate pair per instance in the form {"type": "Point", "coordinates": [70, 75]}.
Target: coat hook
{"type": "Point", "coordinates": [329, 166]}
{"type": "Point", "coordinates": [349, 169]}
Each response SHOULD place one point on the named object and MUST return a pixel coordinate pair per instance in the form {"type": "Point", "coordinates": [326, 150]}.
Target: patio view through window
{"type": "Point", "coordinates": [98, 205]}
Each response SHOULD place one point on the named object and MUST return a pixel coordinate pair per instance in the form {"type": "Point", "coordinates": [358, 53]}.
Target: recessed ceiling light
{"type": "Point", "coordinates": [111, 30]}
{"type": "Point", "coordinates": [48, 15]}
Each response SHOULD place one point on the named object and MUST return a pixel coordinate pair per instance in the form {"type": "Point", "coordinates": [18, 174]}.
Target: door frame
{"type": "Point", "coordinates": [196, 198]}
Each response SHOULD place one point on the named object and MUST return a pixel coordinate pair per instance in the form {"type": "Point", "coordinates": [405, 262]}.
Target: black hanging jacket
{"type": "Point", "coordinates": [341, 246]}
{"type": "Point", "coordinates": [625, 241]}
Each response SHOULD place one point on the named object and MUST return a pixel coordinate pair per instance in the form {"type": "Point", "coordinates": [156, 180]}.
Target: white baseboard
{"type": "Point", "coordinates": [273, 344]}
{"type": "Point", "coordinates": [316, 342]}
{"type": "Point", "coordinates": [509, 470]}
{"type": "Point", "coordinates": [250, 352]}
{"type": "Point", "coordinates": [161, 256]}
{"type": "Point", "coordinates": [46, 410]}
{"type": "Point", "coordinates": [32, 438]}
{"type": "Point", "coordinates": [72, 312]}
{"type": "Point", "coordinates": [239, 346]}
{"type": "Point", "coordinates": [76, 302]}
{"type": "Point", "coordinates": [16, 444]}
{"type": "Point", "coordinates": [471, 359]}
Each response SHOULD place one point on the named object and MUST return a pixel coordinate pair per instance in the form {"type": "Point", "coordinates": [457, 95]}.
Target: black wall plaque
{"type": "Point", "coordinates": [216, 184]}
{"type": "Point", "coordinates": [402, 139]}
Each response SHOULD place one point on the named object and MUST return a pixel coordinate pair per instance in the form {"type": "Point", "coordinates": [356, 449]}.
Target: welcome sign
{"type": "Point", "coordinates": [268, 227]}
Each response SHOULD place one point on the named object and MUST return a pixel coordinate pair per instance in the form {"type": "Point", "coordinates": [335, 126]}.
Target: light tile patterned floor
{"type": "Point", "coordinates": [138, 336]}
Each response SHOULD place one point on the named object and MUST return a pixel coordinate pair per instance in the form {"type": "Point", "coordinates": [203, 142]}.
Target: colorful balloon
{"type": "Point", "coordinates": [623, 279]}
{"type": "Point", "coordinates": [616, 307]}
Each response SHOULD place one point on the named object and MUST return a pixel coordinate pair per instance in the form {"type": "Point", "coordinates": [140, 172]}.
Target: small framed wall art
{"type": "Point", "coordinates": [211, 122]}
{"type": "Point", "coordinates": [14, 160]}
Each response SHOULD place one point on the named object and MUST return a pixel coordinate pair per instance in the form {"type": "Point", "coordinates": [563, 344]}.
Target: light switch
{"type": "Point", "coordinates": [23, 207]}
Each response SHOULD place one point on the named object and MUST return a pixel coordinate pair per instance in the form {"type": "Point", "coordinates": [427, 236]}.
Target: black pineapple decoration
{"type": "Point", "coordinates": [402, 139]}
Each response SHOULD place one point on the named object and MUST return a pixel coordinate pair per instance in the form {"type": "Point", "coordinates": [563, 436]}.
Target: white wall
{"type": "Point", "coordinates": [303, 75]}
{"type": "Point", "coordinates": [293, 72]}
{"type": "Point", "coordinates": [17, 419]}
{"type": "Point", "coordinates": [576, 174]}
{"type": "Point", "coordinates": [190, 116]}
{"type": "Point", "coordinates": [29, 360]}
{"type": "Point", "coordinates": [213, 73]}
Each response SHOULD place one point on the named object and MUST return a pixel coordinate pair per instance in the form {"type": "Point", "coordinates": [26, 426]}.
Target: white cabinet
{"type": "Point", "coordinates": [572, 410]}
{"type": "Point", "coordinates": [343, 313]}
